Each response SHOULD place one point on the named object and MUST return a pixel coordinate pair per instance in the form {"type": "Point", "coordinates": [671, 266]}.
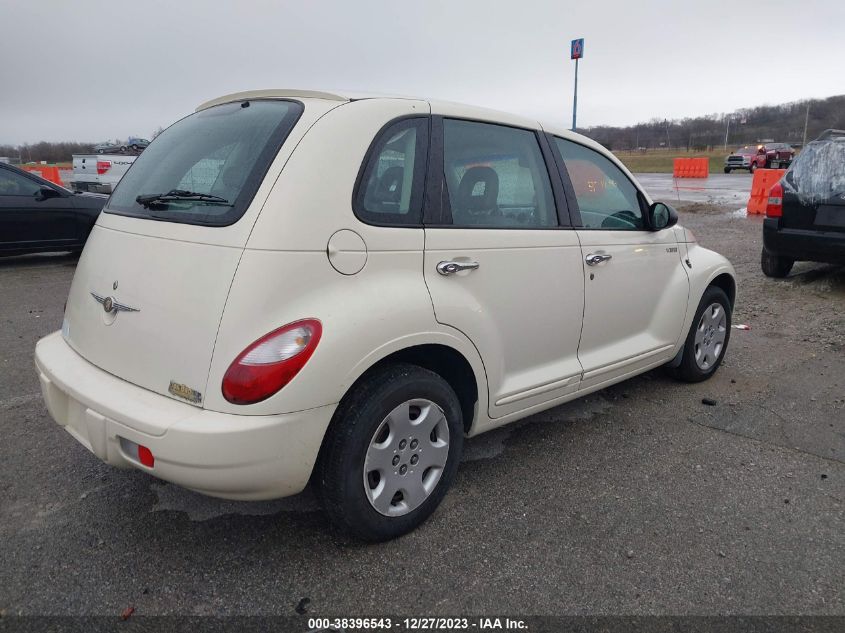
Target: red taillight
{"type": "Point", "coordinates": [774, 207]}
{"type": "Point", "coordinates": [271, 362]}
{"type": "Point", "coordinates": [102, 167]}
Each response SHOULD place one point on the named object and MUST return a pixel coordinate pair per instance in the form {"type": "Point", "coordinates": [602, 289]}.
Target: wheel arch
{"type": "Point", "coordinates": [446, 361]}
{"type": "Point", "coordinates": [726, 282]}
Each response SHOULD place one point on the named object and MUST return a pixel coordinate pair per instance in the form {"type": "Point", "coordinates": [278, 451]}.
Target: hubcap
{"type": "Point", "coordinates": [710, 336]}
{"type": "Point", "coordinates": [406, 457]}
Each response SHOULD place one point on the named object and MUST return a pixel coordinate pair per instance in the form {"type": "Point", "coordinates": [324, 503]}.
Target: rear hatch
{"type": "Point", "coordinates": [814, 187]}
{"type": "Point", "coordinates": [151, 285]}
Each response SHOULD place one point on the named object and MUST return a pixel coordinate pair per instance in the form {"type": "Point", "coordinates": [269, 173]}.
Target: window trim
{"type": "Point", "coordinates": [253, 182]}
{"type": "Point", "coordinates": [439, 207]}
{"type": "Point", "coordinates": [421, 171]}
{"type": "Point", "coordinates": [572, 199]}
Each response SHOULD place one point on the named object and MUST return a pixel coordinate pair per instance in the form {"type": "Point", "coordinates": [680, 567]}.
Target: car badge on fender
{"type": "Point", "coordinates": [110, 306]}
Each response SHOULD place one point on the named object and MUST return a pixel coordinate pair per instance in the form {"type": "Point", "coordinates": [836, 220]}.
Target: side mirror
{"type": "Point", "coordinates": [661, 216]}
{"type": "Point", "coordinates": [46, 193]}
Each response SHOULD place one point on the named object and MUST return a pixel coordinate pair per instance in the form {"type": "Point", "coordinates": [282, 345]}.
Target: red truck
{"type": "Point", "coordinates": [764, 155]}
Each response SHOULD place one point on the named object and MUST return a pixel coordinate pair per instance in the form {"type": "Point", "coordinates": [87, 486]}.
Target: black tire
{"type": "Point", "coordinates": [752, 168]}
{"type": "Point", "coordinates": [727, 170]}
{"type": "Point", "coordinates": [339, 473]}
{"type": "Point", "coordinates": [100, 151]}
{"type": "Point", "coordinates": [775, 266]}
{"type": "Point", "coordinates": [688, 370]}
{"type": "Point", "coordinates": [134, 147]}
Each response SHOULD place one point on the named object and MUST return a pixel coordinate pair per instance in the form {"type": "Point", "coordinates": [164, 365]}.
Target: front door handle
{"type": "Point", "coordinates": [450, 268]}
{"type": "Point", "coordinates": [594, 259]}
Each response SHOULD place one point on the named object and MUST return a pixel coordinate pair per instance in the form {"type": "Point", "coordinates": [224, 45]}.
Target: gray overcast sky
{"type": "Point", "coordinates": [95, 69]}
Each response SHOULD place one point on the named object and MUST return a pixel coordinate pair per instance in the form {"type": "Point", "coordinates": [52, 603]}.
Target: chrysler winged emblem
{"type": "Point", "coordinates": [111, 306]}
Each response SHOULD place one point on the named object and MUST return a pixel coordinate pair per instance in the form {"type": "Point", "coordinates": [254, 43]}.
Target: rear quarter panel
{"type": "Point", "coordinates": [285, 274]}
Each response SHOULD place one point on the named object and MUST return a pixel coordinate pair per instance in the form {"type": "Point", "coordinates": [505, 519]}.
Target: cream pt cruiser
{"type": "Point", "coordinates": [293, 286]}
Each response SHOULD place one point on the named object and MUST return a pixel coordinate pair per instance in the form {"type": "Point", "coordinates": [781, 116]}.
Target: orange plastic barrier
{"type": "Point", "coordinates": [691, 168]}
{"type": "Point", "coordinates": [760, 187]}
{"type": "Point", "coordinates": [47, 172]}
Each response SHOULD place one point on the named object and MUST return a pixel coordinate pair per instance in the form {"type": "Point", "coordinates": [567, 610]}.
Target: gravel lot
{"type": "Point", "coordinates": [636, 500]}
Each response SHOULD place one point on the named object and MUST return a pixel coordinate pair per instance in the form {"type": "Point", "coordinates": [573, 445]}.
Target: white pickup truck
{"type": "Point", "coordinates": [99, 173]}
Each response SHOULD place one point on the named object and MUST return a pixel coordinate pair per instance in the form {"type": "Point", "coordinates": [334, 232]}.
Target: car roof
{"type": "Point", "coordinates": [442, 107]}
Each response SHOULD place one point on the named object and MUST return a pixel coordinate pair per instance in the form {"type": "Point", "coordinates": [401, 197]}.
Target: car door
{"type": "Point", "coordinates": [29, 220]}
{"type": "Point", "coordinates": [635, 283]}
{"type": "Point", "coordinates": [501, 263]}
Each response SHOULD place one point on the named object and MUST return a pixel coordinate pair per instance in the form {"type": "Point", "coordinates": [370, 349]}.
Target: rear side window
{"type": "Point", "coordinates": [12, 184]}
{"type": "Point", "coordinates": [206, 168]}
{"type": "Point", "coordinates": [390, 189]}
{"type": "Point", "coordinates": [606, 197]}
{"type": "Point", "coordinates": [496, 176]}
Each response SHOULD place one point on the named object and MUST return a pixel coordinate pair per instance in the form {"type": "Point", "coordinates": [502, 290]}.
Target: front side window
{"type": "Point", "coordinates": [206, 168]}
{"type": "Point", "coordinates": [606, 197]}
{"type": "Point", "coordinates": [391, 186]}
{"type": "Point", "coordinates": [496, 176]}
{"type": "Point", "coordinates": [12, 184]}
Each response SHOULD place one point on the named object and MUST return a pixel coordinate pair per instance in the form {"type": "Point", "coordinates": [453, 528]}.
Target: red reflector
{"type": "Point", "coordinates": [102, 167]}
{"type": "Point", "coordinates": [145, 456]}
{"type": "Point", "coordinates": [774, 206]}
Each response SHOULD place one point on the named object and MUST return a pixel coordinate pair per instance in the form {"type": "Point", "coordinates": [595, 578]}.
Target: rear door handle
{"type": "Point", "coordinates": [450, 268]}
{"type": "Point", "coordinates": [594, 259]}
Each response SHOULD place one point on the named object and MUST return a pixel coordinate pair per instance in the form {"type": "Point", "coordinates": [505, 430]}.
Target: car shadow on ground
{"type": "Point", "coordinates": [827, 274]}
{"type": "Point", "coordinates": [36, 260]}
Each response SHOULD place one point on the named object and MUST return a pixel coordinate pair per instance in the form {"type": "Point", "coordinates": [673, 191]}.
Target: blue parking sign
{"type": "Point", "coordinates": [577, 50]}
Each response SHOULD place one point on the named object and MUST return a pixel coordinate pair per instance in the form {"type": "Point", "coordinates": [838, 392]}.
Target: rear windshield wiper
{"type": "Point", "coordinates": [179, 195]}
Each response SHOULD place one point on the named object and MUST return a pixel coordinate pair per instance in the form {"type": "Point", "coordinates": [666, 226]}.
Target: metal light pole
{"type": "Point", "coordinates": [576, 52]}
{"type": "Point", "coordinates": [727, 129]}
{"type": "Point", "coordinates": [575, 97]}
{"type": "Point", "coordinates": [806, 120]}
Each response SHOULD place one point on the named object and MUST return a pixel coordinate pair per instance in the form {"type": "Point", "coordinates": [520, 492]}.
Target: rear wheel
{"type": "Point", "coordinates": [775, 265]}
{"type": "Point", "coordinates": [391, 452]}
{"type": "Point", "coordinates": [707, 339]}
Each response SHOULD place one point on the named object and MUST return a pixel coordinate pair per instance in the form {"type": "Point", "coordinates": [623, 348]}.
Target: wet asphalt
{"type": "Point", "coordinates": [636, 500]}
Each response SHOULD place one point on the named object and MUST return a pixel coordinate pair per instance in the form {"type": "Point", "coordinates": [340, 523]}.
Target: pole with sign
{"type": "Point", "coordinates": [576, 52]}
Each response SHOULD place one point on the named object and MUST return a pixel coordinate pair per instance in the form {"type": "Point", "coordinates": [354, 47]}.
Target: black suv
{"type": "Point", "coordinates": [805, 214]}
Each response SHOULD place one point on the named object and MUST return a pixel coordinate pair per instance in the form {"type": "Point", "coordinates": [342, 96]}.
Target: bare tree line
{"type": "Point", "coordinates": [782, 123]}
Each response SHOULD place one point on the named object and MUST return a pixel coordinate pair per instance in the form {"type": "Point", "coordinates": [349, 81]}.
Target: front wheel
{"type": "Point", "coordinates": [775, 265]}
{"type": "Point", "coordinates": [708, 338]}
{"type": "Point", "coordinates": [753, 168]}
{"type": "Point", "coordinates": [391, 452]}
{"type": "Point", "coordinates": [727, 170]}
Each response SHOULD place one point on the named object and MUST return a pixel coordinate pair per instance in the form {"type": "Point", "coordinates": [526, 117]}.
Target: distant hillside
{"type": "Point", "coordinates": [782, 123]}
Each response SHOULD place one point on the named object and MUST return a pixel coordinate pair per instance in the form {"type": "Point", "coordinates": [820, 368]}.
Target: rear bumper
{"type": "Point", "coordinates": [218, 454]}
{"type": "Point", "coordinates": [801, 245]}
{"type": "Point", "coordinates": [93, 187]}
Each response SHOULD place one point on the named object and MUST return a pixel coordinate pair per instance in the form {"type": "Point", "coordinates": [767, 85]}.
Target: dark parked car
{"type": "Point", "coordinates": [107, 147]}
{"type": "Point", "coordinates": [39, 216]}
{"type": "Point", "coordinates": [805, 215]}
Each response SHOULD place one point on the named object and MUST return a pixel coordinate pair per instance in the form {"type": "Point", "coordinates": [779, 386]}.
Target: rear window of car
{"type": "Point", "coordinates": [206, 168]}
{"type": "Point", "coordinates": [818, 173]}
